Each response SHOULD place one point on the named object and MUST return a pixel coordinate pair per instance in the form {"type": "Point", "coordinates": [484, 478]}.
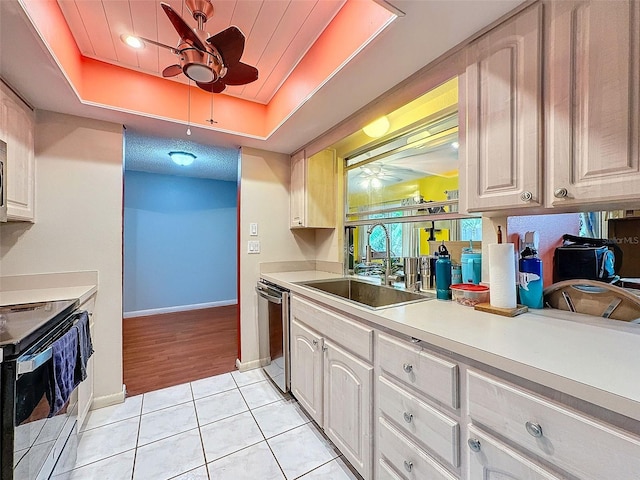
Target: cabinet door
{"type": "Point", "coordinates": [347, 406]}
{"type": "Point", "coordinates": [297, 192]}
{"type": "Point", "coordinates": [502, 101]}
{"type": "Point", "coordinates": [18, 127]}
{"type": "Point", "coordinates": [593, 102]}
{"type": "Point", "coordinates": [306, 369]}
{"type": "Point", "coordinates": [490, 459]}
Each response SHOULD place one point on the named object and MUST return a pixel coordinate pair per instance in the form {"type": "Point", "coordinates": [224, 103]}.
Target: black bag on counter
{"type": "Point", "coordinates": [587, 258]}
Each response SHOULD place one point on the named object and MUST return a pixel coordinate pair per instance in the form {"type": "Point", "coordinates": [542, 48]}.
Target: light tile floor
{"type": "Point", "coordinates": [233, 426]}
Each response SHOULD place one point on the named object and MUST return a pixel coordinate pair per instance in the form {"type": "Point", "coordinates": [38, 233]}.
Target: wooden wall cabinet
{"type": "Point", "coordinates": [589, 71]}
{"type": "Point", "coordinates": [501, 100]}
{"type": "Point", "coordinates": [313, 190]}
{"type": "Point", "coordinates": [593, 102]}
{"type": "Point", "coordinates": [17, 124]}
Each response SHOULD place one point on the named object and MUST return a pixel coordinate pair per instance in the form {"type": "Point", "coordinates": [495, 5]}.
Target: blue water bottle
{"type": "Point", "coordinates": [530, 278]}
{"type": "Point", "coordinates": [443, 274]}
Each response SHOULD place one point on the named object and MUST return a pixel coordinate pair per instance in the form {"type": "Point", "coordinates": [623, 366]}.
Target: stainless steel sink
{"type": "Point", "coordinates": [367, 294]}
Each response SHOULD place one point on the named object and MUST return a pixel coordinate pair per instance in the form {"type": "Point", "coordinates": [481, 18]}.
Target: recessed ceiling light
{"type": "Point", "coordinates": [133, 42]}
{"type": "Point", "coordinates": [182, 158]}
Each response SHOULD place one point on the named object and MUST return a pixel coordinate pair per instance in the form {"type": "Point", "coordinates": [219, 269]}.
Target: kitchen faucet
{"type": "Point", "coordinates": [388, 280]}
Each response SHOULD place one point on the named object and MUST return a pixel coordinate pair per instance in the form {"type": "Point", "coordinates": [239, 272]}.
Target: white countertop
{"type": "Point", "coordinates": [14, 297]}
{"type": "Point", "coordinates": [591, 359]}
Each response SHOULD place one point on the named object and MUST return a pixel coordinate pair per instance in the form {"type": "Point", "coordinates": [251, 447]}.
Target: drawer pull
{"type": "Point", "coordinates": [407, 367]}
{"type": "Point", "coordinates": [474, 444]}
{"type": "Point", "coordinates": [324, 348]}
{"type": "Point", "coordinates": [534, 429]}
{"type": "Point", "coordinates": [315, 342]}
{"type": "Point", "coordinates": [408, 417]}
{"type": "Point", "coordinates": [408, 466]}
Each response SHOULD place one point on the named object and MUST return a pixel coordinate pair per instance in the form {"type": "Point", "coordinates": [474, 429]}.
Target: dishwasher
{"type": "Point", "coordinates": [273, 329]}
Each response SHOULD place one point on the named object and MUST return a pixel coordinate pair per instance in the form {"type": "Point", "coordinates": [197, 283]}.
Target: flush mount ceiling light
{"type": "Point", "coordinates": [182, 158]}
{"type": "Point", "coordinates": [132, 41]}
{"type": "Point", "coordinates": [377, 128]}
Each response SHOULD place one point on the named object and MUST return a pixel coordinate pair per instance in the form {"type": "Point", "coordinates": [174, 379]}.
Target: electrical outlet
{"type": "Point", "coordinates": [253, 246]}
{"type": "Point", "coordinates": [253, 229]}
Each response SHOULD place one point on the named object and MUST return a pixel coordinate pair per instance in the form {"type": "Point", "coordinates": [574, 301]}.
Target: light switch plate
{"type": "Point", "coordinates": [253, 229]}
{"type": "Point", "coordinates": [253, 246]}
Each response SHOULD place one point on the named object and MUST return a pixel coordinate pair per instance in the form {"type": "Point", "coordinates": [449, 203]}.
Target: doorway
{"type": "Point", "coordinates": [180, 265]}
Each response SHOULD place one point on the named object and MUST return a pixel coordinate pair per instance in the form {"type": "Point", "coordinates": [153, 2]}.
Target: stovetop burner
{"type": "Point", "coordinates": [19, 324]}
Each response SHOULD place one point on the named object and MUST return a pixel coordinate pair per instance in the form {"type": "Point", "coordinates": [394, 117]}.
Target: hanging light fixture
{"type": "Point", "coordinates": [182, 158]}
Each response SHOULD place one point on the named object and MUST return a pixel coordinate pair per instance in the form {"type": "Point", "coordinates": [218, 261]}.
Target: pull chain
{"type": "Point", "coordinates": [211, 121]}
{"type": "Point", "coordinates": [189, 110]}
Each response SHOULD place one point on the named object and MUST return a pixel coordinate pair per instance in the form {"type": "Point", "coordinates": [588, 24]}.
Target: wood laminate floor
{"type": "Point", "coordinates": [173, 348]}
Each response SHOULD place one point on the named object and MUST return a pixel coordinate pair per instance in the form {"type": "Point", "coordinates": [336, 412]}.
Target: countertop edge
{"type": "Point", "coordinates": [610, 400]}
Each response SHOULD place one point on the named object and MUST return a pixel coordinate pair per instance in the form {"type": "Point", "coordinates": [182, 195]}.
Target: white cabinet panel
{"type": "Point", "coordinates": [490, 459]}
{"type": "Point", "coordinates": [593, 102]}
{"type": "Point", "coordinates": [502, 95]}
{"type": "Point", "coordinates": [347, 405]}
{"type": "Point", "coordinates": [306, 369]}
{"type": "Point", "coordinates": [436, 377]}
{"type": "Point", "coordinates": [565, 438]}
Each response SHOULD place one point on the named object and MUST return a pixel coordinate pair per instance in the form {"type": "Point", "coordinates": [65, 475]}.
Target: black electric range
{"type": "Point", "coordinates": [26, 334]}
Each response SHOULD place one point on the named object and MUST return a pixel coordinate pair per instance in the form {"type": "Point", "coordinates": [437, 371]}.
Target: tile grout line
{"type": "Point", "coordinates": [204, 453]}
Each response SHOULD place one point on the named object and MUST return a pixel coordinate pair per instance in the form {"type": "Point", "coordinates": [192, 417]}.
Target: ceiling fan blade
{"type": "Point", "coordinates": [229, 43]}
{"type": "Point", "coordinates": [172, 71]}
{"type": "Point", "coordinates": [183, 29]}
{"type": "Point", "coordinates": [213, 87]}
{"type": "Point", "coordinates": [240, 74]}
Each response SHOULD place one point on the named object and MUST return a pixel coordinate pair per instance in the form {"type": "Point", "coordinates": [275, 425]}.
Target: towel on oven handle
{"type": "Point", "coordinates": [85, 346]}
{"type": "Point", "coordinates": [64, 357]}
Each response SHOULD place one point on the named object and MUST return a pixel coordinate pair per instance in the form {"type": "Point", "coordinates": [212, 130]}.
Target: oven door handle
{"type": "Point", "coordinates": [31, 363]}
{"type": "Point", "coordinates": [271, 298]}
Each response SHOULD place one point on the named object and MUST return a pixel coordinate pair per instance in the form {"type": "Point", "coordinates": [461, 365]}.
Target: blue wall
{"type": "Point", "coordinates": [179, 241]}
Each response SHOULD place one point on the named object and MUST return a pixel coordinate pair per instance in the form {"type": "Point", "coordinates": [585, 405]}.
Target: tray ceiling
{"type": "Point", "coordinates": [278, 34]}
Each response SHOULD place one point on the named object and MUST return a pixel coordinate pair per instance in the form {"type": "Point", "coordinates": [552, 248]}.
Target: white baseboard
{"type": "Point", "coordinates": [179, 308]}
{"type": "Point", "coordinates": [107, 400]}
{"type": "Point", "coordinates": [244, 366]}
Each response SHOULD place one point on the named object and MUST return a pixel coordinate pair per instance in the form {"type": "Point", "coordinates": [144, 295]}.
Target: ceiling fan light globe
{"type": "Point", "coordinates": [199, 73]}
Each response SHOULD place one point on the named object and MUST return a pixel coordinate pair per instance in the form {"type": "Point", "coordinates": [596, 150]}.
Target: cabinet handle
{"type": "Point", "coordinates": [324, 348]}
{"type": "Point", "coordinates": [474, 444]}
{"type": "Point", "coordinates": [407, 367]}
{"type": "Point", "coordinates": [534, 429]}
{"type": "Point", "coordinates": [315, 342]}
{"type": "Point", "coordinates": [408, 466]}
{"type": "Point", "coordinates": [526, 196]}
{"type": "Point", "coordinates": [560, 193]}
{"type": "Point", "coordinates": [299, 222]}
{"type": "Point", "coordinates": [415, 340]}
{"type": "Point", "coordinates": [408, 417]}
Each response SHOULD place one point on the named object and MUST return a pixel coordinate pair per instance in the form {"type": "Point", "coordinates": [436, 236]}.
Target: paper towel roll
{"type": "Point", "coordinates": [502, 275]}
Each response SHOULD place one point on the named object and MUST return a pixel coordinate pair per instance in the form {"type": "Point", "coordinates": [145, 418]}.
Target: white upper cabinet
{"type": "Point", "coordinates": [593, 102]}
{"type": "Point", "coordinates": [17, 123]}
{"type": "Point", "coordinates": [500, 102]}
{"type": "Point", "coordinates": [313, 190]}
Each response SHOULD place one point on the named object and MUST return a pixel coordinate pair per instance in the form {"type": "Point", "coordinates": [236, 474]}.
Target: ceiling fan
{"type": "Point", "coordinates": [212, 63]}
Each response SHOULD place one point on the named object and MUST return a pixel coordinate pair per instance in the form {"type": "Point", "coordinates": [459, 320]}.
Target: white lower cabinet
{"type": "Point", "coordinates": [347, 405]}
{"type": "Point", "coordinates": [306, 369]}
{"type": "Point", "coordinates": [331, 383]}
{"type": "Point", "coordinates": [401, 418]}
{"type": "Point", "coordinates": [566, 439]}
{"type": "Point", "coordinates": [490, 459]}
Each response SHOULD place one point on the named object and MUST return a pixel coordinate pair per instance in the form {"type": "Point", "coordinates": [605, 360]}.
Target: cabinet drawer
{"type": "Point", "coordinates": [435, 430]}
{"type": "Point", "coordinates": [431, 375]}
{"type": "Point", "coordinates": [353, 336]}
{"type": "Point", "coordinates": [406, 457]}
{"type": "Point", "coordinates": [575, 443]}
{"type": "Point", "coordinates": [385, 472]}
{"type": "Point", "coordinates": [490, 458]}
